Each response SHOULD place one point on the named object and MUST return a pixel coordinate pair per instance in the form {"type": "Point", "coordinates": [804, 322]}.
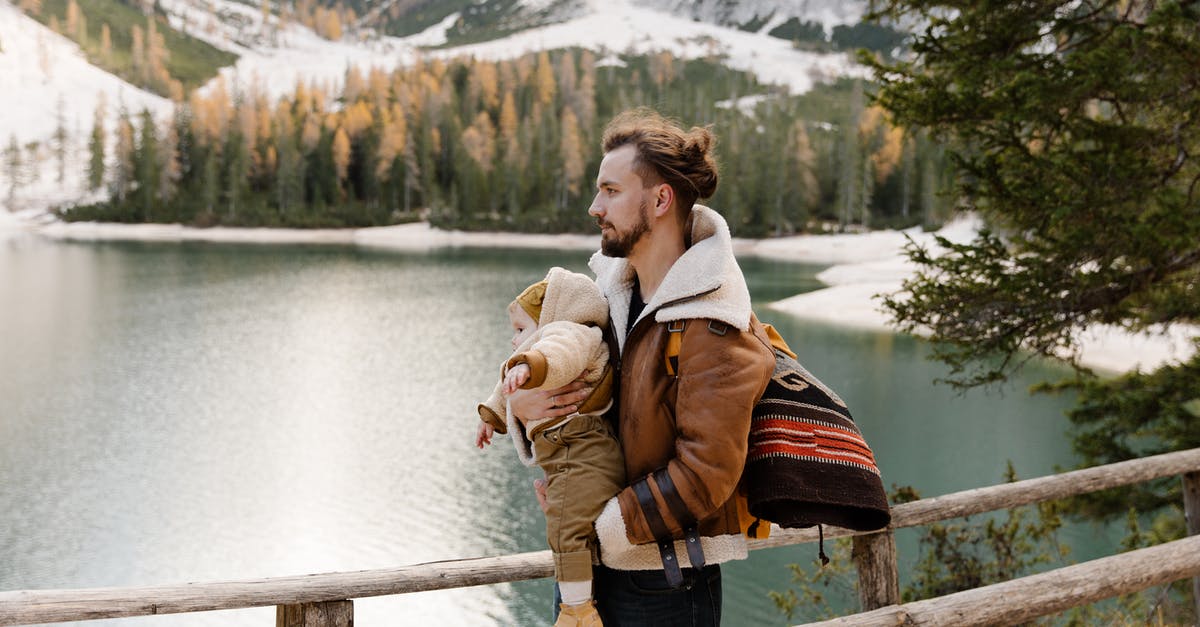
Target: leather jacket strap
{"type": "Point", "coordinates": [658, 527]}
{"type": "Point", "coordinates": [679, 510]}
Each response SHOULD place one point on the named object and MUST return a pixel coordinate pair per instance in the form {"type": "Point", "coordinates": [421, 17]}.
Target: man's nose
{"type": "Point", "coordinates": [594, 210]}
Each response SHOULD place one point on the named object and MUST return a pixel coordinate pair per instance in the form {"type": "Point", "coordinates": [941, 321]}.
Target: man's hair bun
{"type": "Point", "coordinates": [667, 153]}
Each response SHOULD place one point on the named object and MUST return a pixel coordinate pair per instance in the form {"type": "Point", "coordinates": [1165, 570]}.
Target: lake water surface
{"type": "Point", "coordinates": [193, 412]}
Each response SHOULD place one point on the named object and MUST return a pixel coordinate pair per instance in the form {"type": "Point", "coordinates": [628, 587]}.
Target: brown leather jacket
{"type": "Point", "coordinates": [694, 425]}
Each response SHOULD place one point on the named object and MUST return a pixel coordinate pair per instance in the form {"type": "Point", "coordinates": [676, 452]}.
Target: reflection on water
{"type": "Point", "coordinates": [189, 412]}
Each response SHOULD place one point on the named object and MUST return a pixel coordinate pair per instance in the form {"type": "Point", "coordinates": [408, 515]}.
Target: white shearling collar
{"type": "Point", "coordinates": [706, 282]}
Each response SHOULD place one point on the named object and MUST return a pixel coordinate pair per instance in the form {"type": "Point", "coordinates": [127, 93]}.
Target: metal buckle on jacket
{"type": "Point", "coordinates": [675, 326]}
{"type": "Point", "coordinates": [718, 328]}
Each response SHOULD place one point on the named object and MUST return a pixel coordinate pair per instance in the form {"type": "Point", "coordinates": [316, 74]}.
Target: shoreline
{"type": "Point", "coordinates": [861, 266]}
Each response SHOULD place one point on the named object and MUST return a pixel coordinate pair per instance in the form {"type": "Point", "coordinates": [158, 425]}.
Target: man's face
{"type": "Point", "coordinates": [621, 205]}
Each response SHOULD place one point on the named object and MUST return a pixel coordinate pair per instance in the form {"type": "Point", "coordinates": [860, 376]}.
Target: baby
{"type": "Point", "coordinates": [557, 335]}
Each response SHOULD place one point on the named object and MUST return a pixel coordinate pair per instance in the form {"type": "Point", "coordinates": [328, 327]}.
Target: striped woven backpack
{"type": "Point", "coordinates": [807, 462]}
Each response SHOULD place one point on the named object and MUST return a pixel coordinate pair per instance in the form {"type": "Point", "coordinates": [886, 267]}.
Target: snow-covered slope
{"type": "Point", "coordinates": [624, 26]}
{"type": "Point", "coordinates": [44, 76]}
{"type": "Point", "coordinates": [768, 13]}
{"type": "Point", "coordinates": [602, 25]}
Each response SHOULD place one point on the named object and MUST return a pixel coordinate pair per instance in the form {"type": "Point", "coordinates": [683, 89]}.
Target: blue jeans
{"type": "Point", "coordinates": [642, 598]}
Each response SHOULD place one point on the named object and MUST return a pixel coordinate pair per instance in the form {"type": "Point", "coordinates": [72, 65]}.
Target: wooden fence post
{"type": "Point", "coordinates": [1191, 509]}
{"type": "Point", "coordinates": [878, 577]}
{"type": "Point", "coordinates": [327, 614]}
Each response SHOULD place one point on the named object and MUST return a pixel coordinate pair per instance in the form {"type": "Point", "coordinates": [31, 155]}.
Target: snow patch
{"type": "Point", "coordinates": [871, 265]}
{"type": "Point", "coordinates": [46, 77]}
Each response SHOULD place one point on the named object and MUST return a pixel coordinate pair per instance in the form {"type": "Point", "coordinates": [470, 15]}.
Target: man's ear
{"type": "Point", "coordinates": [664, 199]}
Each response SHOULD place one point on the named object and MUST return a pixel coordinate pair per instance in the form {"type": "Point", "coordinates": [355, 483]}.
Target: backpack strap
{"type": "Point", "coordinates": [674, 344]}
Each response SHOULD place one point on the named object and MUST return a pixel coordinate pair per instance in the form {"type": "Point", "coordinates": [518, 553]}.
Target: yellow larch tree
{"type": "Point", "coordinates": [391, 143]}
{"type": "Point", "coordinates": [544, 85]}
{"type": "Point", "coordinates": [311, 133]}
{"type": "Point", "coordinates": [354, 85]}
{"type": "Point", "coordinates": [341, 154]}
{"type": "Point", "coordinates": [105, 43]}
{"type": "Point", "coordinates": [486, 83]}
{"type": "Point", "coordinates": [570, 150]}
{"type": "Point", "coordinates": [479, 141]}
{"type": "Point", "coordinates": [73, 20]}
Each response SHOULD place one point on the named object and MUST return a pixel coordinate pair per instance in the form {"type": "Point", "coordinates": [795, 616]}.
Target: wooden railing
{"type": "Point", "coordinates": [324, 599]}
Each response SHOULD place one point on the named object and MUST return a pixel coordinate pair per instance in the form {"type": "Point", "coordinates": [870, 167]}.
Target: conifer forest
{"type": "Point", "coordinates": [509, 145]}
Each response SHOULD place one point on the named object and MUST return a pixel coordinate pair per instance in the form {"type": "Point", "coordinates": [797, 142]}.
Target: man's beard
{"type": "Point", "coordinates": [614, 244]}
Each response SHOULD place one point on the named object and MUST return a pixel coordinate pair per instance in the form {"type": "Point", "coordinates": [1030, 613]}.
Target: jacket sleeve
{"type": "Point", "coordinates": [560, 355]}
{"type": "Point", "coordinates": [720, 379]}
{"type": "Point", "coordinates": [494, 409]}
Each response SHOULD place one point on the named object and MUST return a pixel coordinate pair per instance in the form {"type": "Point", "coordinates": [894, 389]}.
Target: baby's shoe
{"type": "Point", "coordinates": [582, 615]}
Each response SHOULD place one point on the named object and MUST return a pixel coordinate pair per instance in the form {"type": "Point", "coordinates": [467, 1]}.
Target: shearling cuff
{"type": "Point", "coordinates": [610, 530]}
{"type": "Point", "coordinates": [537, 367]}
{"type": "Point", "coordinates": [617, 552]}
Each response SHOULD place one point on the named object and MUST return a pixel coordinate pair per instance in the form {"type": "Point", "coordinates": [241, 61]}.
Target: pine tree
{"type": "Point", "coordinates": [122, 173]}
{"type": "Point", "coordinates": [61, 140]}
{"type": "Point", "coordinates": [12, 166]}
{"type": "Point", "coordinates": [850, 157]}
{"type": "Point", "coordinates": [146, 169]}
{"type": "Point", "coordinates": [412, 173]}
{"type": "Point", "coordinates": [1073, 138]}
{"type": "Point", "coordinates": [95, 175]}
{"type": "Point", "coordinates": [804, 160]}
{"type": "Point", "coordinates": [290, 173]}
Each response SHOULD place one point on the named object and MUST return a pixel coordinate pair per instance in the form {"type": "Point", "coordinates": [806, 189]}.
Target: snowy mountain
{"type": "Point", "coordinates": [49, 86]}
{"type": "Point", "coordinates": [605, 26]}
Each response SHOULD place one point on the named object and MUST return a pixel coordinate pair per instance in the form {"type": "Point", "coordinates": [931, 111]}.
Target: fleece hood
{"type": "Point", "coordinates": [572, 297]}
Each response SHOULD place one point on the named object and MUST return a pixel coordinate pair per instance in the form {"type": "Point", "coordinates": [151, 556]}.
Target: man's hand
{"type": "Point", "coordinates": [483, 435]}
{"type": "Point", "coordinates": [529, 405]}
{"type": "Point", "coordinates": [515, 378]}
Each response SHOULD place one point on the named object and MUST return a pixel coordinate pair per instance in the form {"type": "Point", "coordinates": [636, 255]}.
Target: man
{"type": "Point", "coordinates": [666, 264]}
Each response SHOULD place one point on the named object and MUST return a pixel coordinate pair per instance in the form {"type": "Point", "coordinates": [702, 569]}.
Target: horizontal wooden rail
{"type": "Point", "coordinates": [50, 606]}
{"type": "Point", "coordinates": [1024, 599]}
{"type": "Point", "coordinates": [45, 606]}
{"type": "Point", "coordinates": [1009, 495]}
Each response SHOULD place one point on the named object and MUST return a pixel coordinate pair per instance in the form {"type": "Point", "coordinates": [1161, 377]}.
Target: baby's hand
{"type": "Point", "coordinates": [483, 435]}
{"type": "Point", "coordinates": [516, 377]}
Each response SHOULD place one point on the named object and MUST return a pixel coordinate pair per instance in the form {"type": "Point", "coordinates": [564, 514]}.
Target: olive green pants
{"type": "Point", "coordinates": [584, 468]}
